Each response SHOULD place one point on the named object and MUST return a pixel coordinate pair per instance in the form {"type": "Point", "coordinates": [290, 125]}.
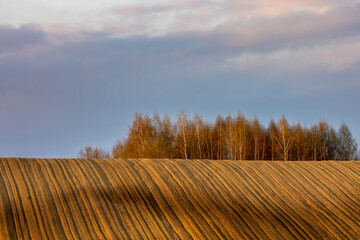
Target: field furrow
{"type": "Point", "coordinates": [178, 199]}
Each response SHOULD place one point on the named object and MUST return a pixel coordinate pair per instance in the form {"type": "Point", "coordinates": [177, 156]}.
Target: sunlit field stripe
{"type": "Point", "coordinates": [178, 199]}
{"type": "Point", "coordinates": [189, 195]}
{"type": "Point", "coordinates": [89, 208]}
{"type": "Point", "coordinates": [319, 197]}
{"type": "Point", "coordinates": [329, 206]}
{"type": "Point", "coordinates": [273, 196]}
{"type": "Point", "coordinates": [205, 196]}
{"type": "Point", "coordinates": [37, 220]}
{"type": "Point", "coordinates": [259, 199]}
{"type": "Point", "coordinates": [302, 199]}
{"type": "Point", "coordinates": [225, 193]}
{"type": "Point", "coordinates": [339, 193]}
{"type": "Point", "coordinates": [142, 203]}
{"type": "Point", "coordinates": [172, 193]}
{"type": "Point", "coordinates": [314, 202]}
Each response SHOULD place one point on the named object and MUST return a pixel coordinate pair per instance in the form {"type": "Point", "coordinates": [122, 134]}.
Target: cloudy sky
{"type": "Point", "coordinates": [73, 73]}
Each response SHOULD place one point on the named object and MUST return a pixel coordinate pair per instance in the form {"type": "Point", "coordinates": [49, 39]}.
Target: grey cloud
{"type": "Point", "coordinates": [14, 39]}
{"type": "Point", "coordinates": [139, 10]}
{"type": "Point", "coordinates": [136, 10]}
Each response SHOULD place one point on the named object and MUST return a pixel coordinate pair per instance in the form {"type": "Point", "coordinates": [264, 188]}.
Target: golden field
{"type": "Point", "coordinates": [178, 199]}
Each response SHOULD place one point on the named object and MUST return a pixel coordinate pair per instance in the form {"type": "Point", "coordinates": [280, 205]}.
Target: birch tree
{"type": "Point", "coordinates": [284, 138]}
{"type": "Point", "coordinates": [182, 134]}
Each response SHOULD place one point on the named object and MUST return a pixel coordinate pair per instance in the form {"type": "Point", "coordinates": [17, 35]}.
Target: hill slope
{"type": "Point", "coordinates": [178, 199]}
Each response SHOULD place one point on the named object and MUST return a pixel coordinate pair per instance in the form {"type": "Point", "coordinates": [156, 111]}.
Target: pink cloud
{"type": "Point", "coordinates": [242, 22]}
{"type": "Point", "coordinates": [291, 29]}
{"type": "Point", "coordinates": [332, 57]}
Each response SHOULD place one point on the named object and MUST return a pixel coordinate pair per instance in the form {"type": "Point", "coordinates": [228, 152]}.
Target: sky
{"type": "Point", "coordinates": [74, 73]}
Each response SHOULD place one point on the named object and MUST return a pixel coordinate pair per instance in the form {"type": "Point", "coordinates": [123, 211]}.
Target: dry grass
{"type": "Point", "coordinates": [178, 199]}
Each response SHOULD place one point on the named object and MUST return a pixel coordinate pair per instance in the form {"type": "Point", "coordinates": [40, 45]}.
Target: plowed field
{"type": "Point", "coordinates": [178, 199]}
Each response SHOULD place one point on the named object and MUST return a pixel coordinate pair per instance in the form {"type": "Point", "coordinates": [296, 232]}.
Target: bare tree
{"type": "Point", "coordinates": [258, 137]}
{"type": "Point", "coordinates": [163, 137]}
{"type": "Point", "coordinates": [219, 136]}
{"type": "Point", "coordinates": [284, 138]}
{"type": "Point", "coordinates": [119, 150]}
{"type": "Point", "coordinates": [299, 142]}
{"type": "Point", "coordinates": [238, 136]}
{"type": "Point", "coordinates": [93, 153]}
{"type": "Point", "coordinates": [199, 129]}
{"type": "Point", "coordinates": [272, 129]}
{"type": "Point", "coordinates": [182, 133]}
{"type": "Point", "coordinates": [347, 144]}
{"type": "Point", "coordinates": [140, 136]}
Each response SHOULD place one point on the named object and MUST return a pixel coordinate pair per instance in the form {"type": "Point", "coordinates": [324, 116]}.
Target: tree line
{"type": "Point", "coordinates": [231, 137]}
